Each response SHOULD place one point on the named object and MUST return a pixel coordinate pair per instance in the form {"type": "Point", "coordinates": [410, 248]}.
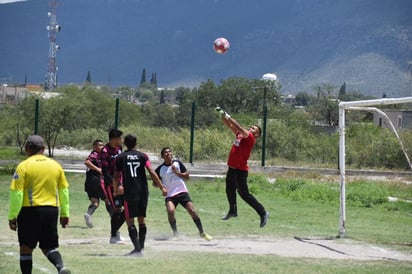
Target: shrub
{"type": "Point", "coordinates": [366, 194]}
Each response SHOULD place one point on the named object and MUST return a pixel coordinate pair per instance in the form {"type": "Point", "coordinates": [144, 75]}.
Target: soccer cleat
{"type": "Point", "coordinates": [88, 220]}
{"type": "Point", "coordinates": [118, 237]}
{"type": "Point", "coordinates": [65, 270]}
{"type": "Point", "coordinates": [206, 236]}
{"type": "Point", "coordinates": [264, 219]}
{"type": "Point", "coordinates": [228, 216]}
{"type": "Point", "coordinates": [135, 253]}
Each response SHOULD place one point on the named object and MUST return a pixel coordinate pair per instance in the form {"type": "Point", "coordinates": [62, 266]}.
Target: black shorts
{"type": "Point", "coordinates": [38, 225]}
{"type": "Point", "coordinates": [115, 201]}
{"type": "Point", "coordinates": [181, 198]}
{"type": "Point", "coordinates": [93, 187]}
{"type": "Point", "coordinates": [134, 209]}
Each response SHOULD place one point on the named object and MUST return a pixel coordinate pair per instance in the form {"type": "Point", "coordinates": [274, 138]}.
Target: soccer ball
{"type": "Point", "coordinates": [221, 45]}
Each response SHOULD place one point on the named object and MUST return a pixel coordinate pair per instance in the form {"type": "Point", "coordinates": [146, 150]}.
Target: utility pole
{"type": "Point", "coordinates": [52, 28]}
{"type": "Point", "coordinates": [410, 77]}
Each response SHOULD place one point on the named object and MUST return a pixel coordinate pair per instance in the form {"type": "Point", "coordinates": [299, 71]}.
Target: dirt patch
{"type": "Point", "coordinates": [284, 247]}
{"type": "Point", "coordinates": [296, 247]}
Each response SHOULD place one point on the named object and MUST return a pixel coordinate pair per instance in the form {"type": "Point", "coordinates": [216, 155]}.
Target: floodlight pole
{"type": "Point", "coordinates": [36, 117]}
{"type": "Point", "coordinates": [192, 132]}
{"type": "Point", "coordinates": [265, 116]}
{"type": "Point", "coordinates": [267, 78]}
{"type": "Point", "coordinates": [342, 169]}
{"type": "Point", "coordinates": [116, 114]}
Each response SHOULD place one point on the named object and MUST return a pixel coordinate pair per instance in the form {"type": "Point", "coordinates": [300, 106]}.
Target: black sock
{"type": "Point", "coordinates": [109, 209]}
{"type": "Point", "coordinates": [91, 209]}
{"type": "Point", "coordinates": [114, 222]}
{"type": "Point", "coordinates": [120, 220]}
{"type": "Point", "coordinates": [198, 224]}
{"type": "Point", "coordinates": [133, 237]}
{"type": "Point", "coordinates": [173, 226]}
{"type": "Point", "coordinates": [142, 234]}
{"type": "Point", "coordinates": [55, 258]}
{"type": "Point", "coordinates": [26, 263]}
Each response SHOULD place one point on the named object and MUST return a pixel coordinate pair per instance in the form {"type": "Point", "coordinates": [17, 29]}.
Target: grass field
{"type": "Point", "coordinates": [299, 207]}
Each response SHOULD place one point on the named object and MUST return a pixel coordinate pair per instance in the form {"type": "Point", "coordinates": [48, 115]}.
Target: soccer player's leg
{"type": "Point", "coordinates": [29, 228]}
{"type": "Point", "coordinates": [244, 193]}
{"type": "Point", "coordinates": [105, 197]}
{"type": "Point", "coordinates": [115, 216]}
{"type": "Point", "coordinates": [94, 204]}
{"type": "Point", "coordinates": [130, 213]}
{"type": "Point", "coordinates": [48, 241]}
{"type": "Point", "coordinates": [141, 215]}
{"type": "Point", "coordinates": [231, 194]}
{"type": "Point", "coordinates": [118, 217]}
{"type": "Point", "coordinates": [94, 192]}
{"type": "Point", "coordinates": [171, 209]}
{"type": "Point", "coordinates": [188, 204]}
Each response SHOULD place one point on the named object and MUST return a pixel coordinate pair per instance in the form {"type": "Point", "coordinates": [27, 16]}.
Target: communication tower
{"type": "Point", "coordinates": [52, 29]}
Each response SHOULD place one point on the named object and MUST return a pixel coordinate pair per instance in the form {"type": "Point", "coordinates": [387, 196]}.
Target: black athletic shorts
{"type": "Point", "coordinates": [93, 187]}
{"type": "Point", "coordinates": [133, 209]}
{"type": "Point", "coordinates": [181, 198]}
{"type": "Point", "coordinates": [38, 225]}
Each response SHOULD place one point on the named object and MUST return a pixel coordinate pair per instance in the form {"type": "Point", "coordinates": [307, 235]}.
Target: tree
{"type": "Point", "coordinates": [342, 91]}
{"type": "Point", "coordinates": [162, 97]}
{"type": "Point", "coordinates": [56, 114]}
{"type": "Point", "coordinates": [143, 78]}
{"type": "Point", "coordinates": [325, 110]}
{"type": "Point", "coordinates": [153, 80]}
{"type": "Point", "coordinates": [302, 99]}
{"type": "Point", "coordinates": [21, 136]}
{"type": "Point", "coordinates": [88, 78]}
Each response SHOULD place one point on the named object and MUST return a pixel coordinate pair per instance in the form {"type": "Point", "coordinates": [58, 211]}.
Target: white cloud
{"type": "Point", "coordinates": [10, 1]}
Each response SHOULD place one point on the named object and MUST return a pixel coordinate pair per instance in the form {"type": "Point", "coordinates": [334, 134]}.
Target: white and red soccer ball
{"type": "Point", "coordinates": [221, 45]}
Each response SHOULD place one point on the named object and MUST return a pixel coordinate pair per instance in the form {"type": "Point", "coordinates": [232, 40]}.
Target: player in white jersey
{"type": "Point", "coordinates": [173, 173]}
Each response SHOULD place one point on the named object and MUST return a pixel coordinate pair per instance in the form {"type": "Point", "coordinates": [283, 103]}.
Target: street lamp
{"type": "Point", "coordinates": [269, 79]}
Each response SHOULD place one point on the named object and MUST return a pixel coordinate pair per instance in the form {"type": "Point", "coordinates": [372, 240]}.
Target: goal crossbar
{"type": "Point", "coordinates": [360, 105]}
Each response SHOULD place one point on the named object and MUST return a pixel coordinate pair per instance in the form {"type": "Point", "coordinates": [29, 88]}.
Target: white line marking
{"type": "Point", "coordinates": [35, 265]}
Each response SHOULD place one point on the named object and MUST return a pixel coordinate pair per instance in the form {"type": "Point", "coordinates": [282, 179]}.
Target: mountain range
{"type": "Point", "coordinates": [365, 43]}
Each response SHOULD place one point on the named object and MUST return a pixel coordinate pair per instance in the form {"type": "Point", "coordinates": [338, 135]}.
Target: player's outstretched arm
{"type": "Point", "coordinates": [231, 123]}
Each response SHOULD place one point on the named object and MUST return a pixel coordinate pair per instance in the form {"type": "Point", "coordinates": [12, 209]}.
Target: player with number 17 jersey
{"type": "Point", "coordinates": [132, 164]}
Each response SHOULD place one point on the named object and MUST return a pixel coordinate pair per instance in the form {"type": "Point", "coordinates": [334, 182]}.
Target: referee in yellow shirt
{"type": "Point", "coordinates": [39, 187]}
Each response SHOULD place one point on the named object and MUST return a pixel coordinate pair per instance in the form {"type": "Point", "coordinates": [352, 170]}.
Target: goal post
{"type": "Point", "coordinates": [364, 105]}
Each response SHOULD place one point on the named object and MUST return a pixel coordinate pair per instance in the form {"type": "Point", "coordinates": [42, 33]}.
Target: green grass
{"type": "Point", "coordinates": [299, 207]}
{"type": "Point", "coordinates": [10, 153]}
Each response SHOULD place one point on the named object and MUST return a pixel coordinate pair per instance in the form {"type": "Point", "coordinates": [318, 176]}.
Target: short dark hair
{"type": "Point", "coordinates": [34, 144]}
{"type": "Point", "coordinates": [95, 142]}
{"type": "Point", "coordinates": [163, 150]}
{"type": "Point", "coordinates": [130, 141]}
{"type": "Point", "coordinates": [260, 129]}
{"type": "Point", "coordinates": [115, 133]}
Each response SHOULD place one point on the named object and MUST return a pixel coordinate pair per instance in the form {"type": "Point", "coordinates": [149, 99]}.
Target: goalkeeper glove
{"type": "Point", "coordinates": [222, 113]}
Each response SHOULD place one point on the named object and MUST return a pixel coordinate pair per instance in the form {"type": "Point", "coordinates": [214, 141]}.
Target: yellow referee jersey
{"type": "Point", "coordinates": [39, 179]}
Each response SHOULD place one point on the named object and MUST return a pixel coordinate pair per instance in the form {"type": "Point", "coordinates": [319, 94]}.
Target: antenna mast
{"type": "Point", "coordinates": [52, 28]}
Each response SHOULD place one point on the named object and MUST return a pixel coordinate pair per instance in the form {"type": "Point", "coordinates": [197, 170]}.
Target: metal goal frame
{"type": "Point", "coordinates": [363, 105]}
